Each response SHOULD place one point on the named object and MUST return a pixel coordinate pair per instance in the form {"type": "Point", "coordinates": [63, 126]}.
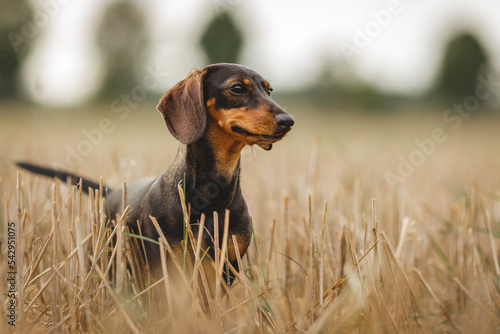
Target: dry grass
{"type": "Point", "coordinates": [335, 249]}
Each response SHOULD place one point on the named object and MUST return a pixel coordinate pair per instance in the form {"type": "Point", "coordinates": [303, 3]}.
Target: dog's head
{"type": "Point", "coordinates": [230, 96]}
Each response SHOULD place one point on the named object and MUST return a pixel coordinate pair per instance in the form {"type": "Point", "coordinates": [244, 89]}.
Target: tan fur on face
{"type": "Point", "coordinates": [258, 121]}
{"type": "Point", "coordinates": [229, 143]}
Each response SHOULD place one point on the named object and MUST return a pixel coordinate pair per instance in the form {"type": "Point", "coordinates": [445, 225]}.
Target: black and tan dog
{"type": "Point", "coordinates": [214, 113]}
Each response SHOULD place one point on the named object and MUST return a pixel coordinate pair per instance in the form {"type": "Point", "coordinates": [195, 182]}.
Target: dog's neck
{"type": "Point", "coordinates": [212, 182]}
{"type": "Point", "coordinates": [226, 150]}
{"type": "Point", "coordinates": [205, 160]}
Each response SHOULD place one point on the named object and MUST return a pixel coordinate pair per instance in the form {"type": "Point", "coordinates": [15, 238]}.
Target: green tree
{"type": "Point", "coordinates": [464, 61]}
{"type": "Point", "coordinates": [222, 40]}
{"type": "Point", "coordinates": [122, 40]}
{"type": "Point", "coordinates": [15, 41]}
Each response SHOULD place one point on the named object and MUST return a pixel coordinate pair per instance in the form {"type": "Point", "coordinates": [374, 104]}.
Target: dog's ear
{"type": "Point", "coordinates": [183, 109]}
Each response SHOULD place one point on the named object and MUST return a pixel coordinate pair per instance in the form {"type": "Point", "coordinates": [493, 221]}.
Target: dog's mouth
{"type": "Point", "coordinates": [238, 129]}
{"type": "Point", "coordinates": [263, 140]}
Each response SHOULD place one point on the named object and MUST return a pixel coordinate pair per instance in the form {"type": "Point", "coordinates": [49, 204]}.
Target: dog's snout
{"type": "Point", "coordinates": [284, 121]}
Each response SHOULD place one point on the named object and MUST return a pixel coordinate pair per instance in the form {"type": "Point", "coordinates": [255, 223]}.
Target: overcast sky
{"type": "Point", "coordinates": [396, 45]}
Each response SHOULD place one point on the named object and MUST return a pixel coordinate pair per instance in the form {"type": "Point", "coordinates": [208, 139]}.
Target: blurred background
{"type": "Point", "coordinates": [367, 54]}
{"type": "Point", "coordinates": [387, 82]}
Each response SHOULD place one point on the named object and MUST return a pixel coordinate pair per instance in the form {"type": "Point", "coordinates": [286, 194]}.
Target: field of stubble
{"type": "Point", "coordinates": [362, 224]}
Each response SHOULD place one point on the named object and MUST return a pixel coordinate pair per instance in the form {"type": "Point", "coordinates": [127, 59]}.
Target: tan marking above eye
{"type": "Point", "coordinates": [241, 81]}
{"type": "Point", "coordinates": [267, 87]}
{"type": "Point", "coordinates": [211, 102]}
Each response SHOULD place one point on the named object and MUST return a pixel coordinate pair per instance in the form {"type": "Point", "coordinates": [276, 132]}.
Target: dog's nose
{"type": "Point", "coordinates": [284, 121]}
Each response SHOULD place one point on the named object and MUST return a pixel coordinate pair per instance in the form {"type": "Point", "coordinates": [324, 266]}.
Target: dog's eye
{"type": "Point", "coordinates": [238, 89]}
{"type": "Point", "coordinates": [269, 91]}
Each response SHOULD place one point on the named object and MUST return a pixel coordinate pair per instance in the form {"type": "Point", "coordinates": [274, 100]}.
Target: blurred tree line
{"type": "Point", "coordinates": [13, 46]}
{"type": "Point", "coordinates": [123, 42]}
{"type": "Point", "coordinates": [464, 62]}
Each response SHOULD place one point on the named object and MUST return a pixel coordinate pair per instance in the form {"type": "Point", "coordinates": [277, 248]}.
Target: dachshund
{"type": "Point", "coordinates": [214, 113]}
